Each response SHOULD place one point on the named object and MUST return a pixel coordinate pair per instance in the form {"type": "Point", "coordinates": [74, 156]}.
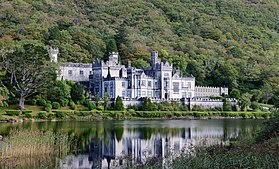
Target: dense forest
{"type": "Point", "coordinates": [233, 43]}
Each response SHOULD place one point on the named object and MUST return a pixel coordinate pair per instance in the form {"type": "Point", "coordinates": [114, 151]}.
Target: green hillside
{"type": "Point", "coordinates": [232, 43]}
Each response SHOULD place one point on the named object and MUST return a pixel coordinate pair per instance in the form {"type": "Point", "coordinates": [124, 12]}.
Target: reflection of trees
{"type": "Point", "coordinates": [147, 132]}
{"type": "Point", "coordinates": [240, 129]}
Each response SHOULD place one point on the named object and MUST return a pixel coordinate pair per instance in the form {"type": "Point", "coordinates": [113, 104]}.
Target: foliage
{"type": "Point", "coordinates": [41, 102]}
{"type": "Point", "coordinates": [77, 92]}
{"type": "Point", "coordinates": [47, 107]}
{"type": "Point", "coordinates": [25, 143]}
{"type": "Point", "coordinates": [244, 101]}
{"type": "Point", "coordinates": [197, 108]}
{"type": "Point", "coordinates": [227, 105]}
{"type": "Point", "coordinates": [28, 69]}
{"type": "Point", "coordinates": [119, 104]}
{"type": "Point", "coordinates": [4, 95]}
{"type": "Point", "coordinates": [12, 112]}
{"type": "Point", "coordinates": [235, 93]}
{"type": "Point", "coordinates": [106, 101]}
{"type": "Point", "coordinates": [255, 105]}
{"type": "Point", "coordinates": [59, 92]}
{"type": "Point", "coordinates": [72, 105]}
{"type": "Point", "coordinates": [55, 105]}
{"type": "Point", "coordinates": [42, 115]}
{"type": "Point", "coordinates": [215, 41]}
{"type": "Point", "coordinates": [89, 104]}
{"type": "Point", "coordinates": [270, 130]}
{"type": "Point", "coordinates": [28, 115]}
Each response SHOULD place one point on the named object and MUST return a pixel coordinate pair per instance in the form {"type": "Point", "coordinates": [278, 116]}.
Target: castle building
{"type": "Point", "coordinates": [160, 81]}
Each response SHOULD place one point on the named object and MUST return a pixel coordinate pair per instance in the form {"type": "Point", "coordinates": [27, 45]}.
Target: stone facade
{"type": "Point", "coordinates": [78, 72]}
{"type": "Point", "coordinates": [205, 91]}
{"type": "Point", "coordinates": [159, 81]}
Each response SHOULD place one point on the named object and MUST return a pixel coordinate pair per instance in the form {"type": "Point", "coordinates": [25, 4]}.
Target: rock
{"type": "Point", "coordinates": [1, 138]}
{"type": "Point", "coordinates": [12, 120]}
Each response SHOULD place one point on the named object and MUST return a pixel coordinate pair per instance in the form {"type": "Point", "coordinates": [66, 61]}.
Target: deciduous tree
{"type": "Point", "coordinates": [29, 69]}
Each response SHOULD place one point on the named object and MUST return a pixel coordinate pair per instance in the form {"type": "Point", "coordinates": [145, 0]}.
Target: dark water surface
{"type": "Point", "coordinates": [115, 143]}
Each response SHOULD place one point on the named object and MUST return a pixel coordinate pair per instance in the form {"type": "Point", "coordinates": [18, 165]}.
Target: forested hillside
{"type": "Point", "coordinates": [232, 43]}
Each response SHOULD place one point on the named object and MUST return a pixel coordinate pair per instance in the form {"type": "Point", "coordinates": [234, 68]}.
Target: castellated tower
{"type": "Point", "coordinates": [113, 56]}
{"type": "Point", "coordinates": [53, 52]}
{"type": "Point", "coordinates": [154, 57]}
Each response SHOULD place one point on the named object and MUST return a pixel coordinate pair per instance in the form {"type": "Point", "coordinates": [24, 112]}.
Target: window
{"type": "Point", "coordinates": [70, 72]}
{"type": "Point", "coordinates": [123, 84]}
{"type": "Point", "coordinates": [143, 93]}
{"type": "Point", "coordinates": [143, 82]}
{"type": "Point", "coordinates": [149, 83]}
{"type": "Point", "coordinates": [123, 93]}
{"type": "Point", "coordinates": [149, 93]}
{"type": "Point", "coordinates": [155, 84]}
{"type": "Point", "coordinates": [166, 74]}
{"type": "Point", "coordinates": [81, 72]}
{"type": "Point", "coordinates": [175, 87]}
{"type": "Point", "coordinates": [184, 94]}
{"type": "Point", "coordinates": [189, 85]}
{"type": "Point", "coordinates": [166, 84]}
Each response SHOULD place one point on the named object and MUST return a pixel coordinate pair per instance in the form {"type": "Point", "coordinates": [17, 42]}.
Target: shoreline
{"type": "Point", "coordinates": [22, 120]}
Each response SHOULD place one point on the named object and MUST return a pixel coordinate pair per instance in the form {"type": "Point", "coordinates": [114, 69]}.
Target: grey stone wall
{"type": "Point", "coordinates": [75, 71]}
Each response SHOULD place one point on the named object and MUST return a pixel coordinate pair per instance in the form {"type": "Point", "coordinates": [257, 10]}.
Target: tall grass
{"type": "Point", "coordinates": [25, 143]}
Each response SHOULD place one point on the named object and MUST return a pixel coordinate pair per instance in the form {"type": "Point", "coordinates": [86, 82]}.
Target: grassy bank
{"type": "Point", "coordinates": [64, 113]}
{"type": "Point", "coordinates": [24, 143]}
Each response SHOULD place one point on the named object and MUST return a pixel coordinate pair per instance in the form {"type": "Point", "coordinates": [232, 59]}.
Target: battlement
{"type": "Point", "coordinates": [53, 54]}
{"type": "Point", "coordinates": [82, 65]}
{"type": "Point", "coordinates": [53, 50]}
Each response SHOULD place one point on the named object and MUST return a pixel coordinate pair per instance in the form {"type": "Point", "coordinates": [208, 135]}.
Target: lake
{"type": "Point", "coordinates": [117, 143]}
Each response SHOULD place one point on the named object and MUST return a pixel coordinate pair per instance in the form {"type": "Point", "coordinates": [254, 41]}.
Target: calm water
{"type": "Point", "coordinates": [115, 143]}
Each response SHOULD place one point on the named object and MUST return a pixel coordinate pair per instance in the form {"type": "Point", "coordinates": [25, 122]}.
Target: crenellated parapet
{"type": "Point", "coordinates": [80, 65]}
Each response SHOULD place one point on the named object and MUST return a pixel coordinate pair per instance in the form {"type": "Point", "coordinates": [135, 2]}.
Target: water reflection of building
{"type": "Point", "coordinates": [107, 152]}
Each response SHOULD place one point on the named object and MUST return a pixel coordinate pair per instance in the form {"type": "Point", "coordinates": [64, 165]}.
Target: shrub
{"type": "Point", "coordinates": [83, 113]}
{"type": "Point", "coordinates": [47, 107]}
{"type": "Point", "coordinates": [26, 111]}
{"type": "Point", "coordinates": [55, 105]}
{"type": "Point", "coordinates": [184, 108]}
{"type": "Point", "coordinates": [227, 105]}
{"type": "Point", "coordinates": [197, 108]}
{"type": "Point", "coordinates": [60, 114]}
{"type": "Point", "coordinates": [12, 112]}
{"type": "Point", "coordinates": [200, 114]}
{"type": "Point", "coordinates": [63, 102]}
{"type": "Point", "coordinates": [42, 115]}
{"type": "Point", "coordinates": [178, 114]}
{"type": "Point", "coordinates": [89, 104]}
{"type": "Point", "coordinates": [31, 101]}
{"type": "Point", "coordinates": [41, 102]}
{"type": "Point", "coordinates": [28, 115]}
{"type": "Point", "coordinates": [271, 129]}
{"type": "Point", "coordinates": [100, 107]}
{"type": "Point", "coordinates": [255, 105]}
{"type": "Point", "coordinates": [72, 105]}
{"type": "Point", "coordinates": [50, 115]}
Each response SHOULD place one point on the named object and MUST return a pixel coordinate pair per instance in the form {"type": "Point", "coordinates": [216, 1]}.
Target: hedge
{"type": "Point", "coordinates": [12, 112]}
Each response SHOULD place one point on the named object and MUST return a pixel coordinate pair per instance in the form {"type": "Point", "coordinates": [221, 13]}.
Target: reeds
{"type": "Point", "coordinates": [25, 143]}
